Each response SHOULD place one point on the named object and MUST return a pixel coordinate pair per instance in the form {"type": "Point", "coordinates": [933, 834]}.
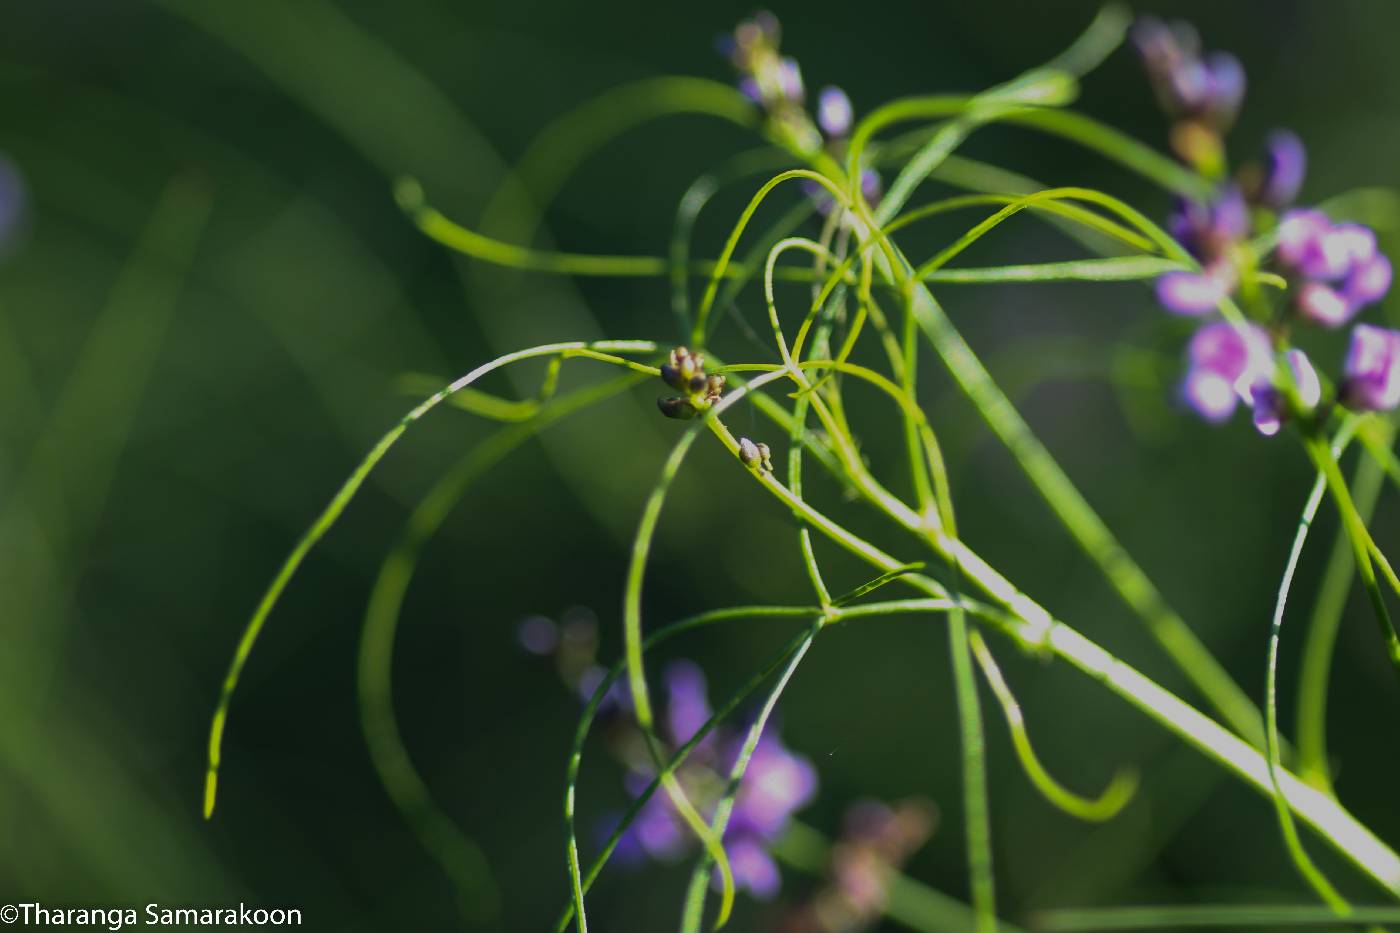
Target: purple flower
{"type": "Point", "coordinates": [1368, 281]}
{"type": "Point", "coordinates": [1209, 229]}
{"type": "Point", "coordinates": [1285, 165]}
{"type": "Point", "coordinates": [754, 869]}
{"type": "Point", "coordinates": [687, 701]}
{"type": "Point", "coordinates": [1336, 268]}
{"type": "Point", "coordinates": [1192, 293]}
{"type": "Point", "coordinates": [538, 635]}
{"type": "Point", "coordinates": [1371, 380]}
{"type": "Point", "coordinates": [776, 784]}
{"type": "Point", "coordinates": [871, 187]}
{"type": "Point", "coordinates": [12, 203]}
{"type": "Point", "coordinates": [789, 80]}
{"type": "Point", "coordinates": [618, 697]}
{"type": "Point", "coordinates": [1208, 89]}
{"type": "Point", "coordinates": [834, 113]}
{"type": "Point", "coordinates": [1270, 402]}
{"type": "Point", "coordinates": [1226, 365]}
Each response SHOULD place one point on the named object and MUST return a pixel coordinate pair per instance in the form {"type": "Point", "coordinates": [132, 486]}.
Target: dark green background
{"type": "Point", "coordinates": [160, 454]}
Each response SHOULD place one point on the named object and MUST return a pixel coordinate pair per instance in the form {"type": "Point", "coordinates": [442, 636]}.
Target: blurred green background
{"type": "Point", "coordinates": [203, 325]}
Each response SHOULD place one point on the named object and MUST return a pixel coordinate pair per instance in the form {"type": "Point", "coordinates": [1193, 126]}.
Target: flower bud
{"type": "Point", "coordinates": [755, 456]}
{"type": "Point", "coordinates": [678, 408]}
{"type": "Point", "coordinates": [1371, 380]}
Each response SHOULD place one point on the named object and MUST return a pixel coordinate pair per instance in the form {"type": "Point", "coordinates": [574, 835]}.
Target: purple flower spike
{"type": "Point", "coordinates": [1372, 369]}
{"type": "Point", "coordinates": [1190, 293]}
{"type": "Point", "coordinates": [1285, 165]}
{"type": "Point", "coordinates": [834, 113]}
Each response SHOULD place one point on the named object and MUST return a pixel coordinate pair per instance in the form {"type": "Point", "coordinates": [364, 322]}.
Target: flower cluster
{"type": "Point", "coordinates": [685, 371]}
{"type": "Point", "coordinates": [1335, 269]}
{"type": "Point", "coordinates": [774, 82]}
{"type": "Point", "coordinates": [876, 842]}
{"type": "Point", "coordinates": [776, 784]}
{"type": "Point", "coordinates": [1200, 92]}
{"type": "Point", "coordinates": [1330, 271]}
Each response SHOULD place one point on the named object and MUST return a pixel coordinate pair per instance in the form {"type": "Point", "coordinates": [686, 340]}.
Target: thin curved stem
{"type": "Point", "coordinates": [332, 512]}
{"type": "Point", "coordinates": [1100, 809]}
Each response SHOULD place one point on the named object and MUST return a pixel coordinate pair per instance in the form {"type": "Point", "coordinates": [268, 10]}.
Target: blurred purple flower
{"type": "Point", "coordinates": [1225, 366]}
{"type": "Point", "coordinates": [687, 702]}
{"type": "Point", "coordinates": [754, 869]}
{"type": "Point", "coordinates": [1195, 293]}
{"type": "Point", "coordinates": [1209, 88]}
{"type": "Point", "coordinates": [1281, 175]}
{"type": "Point", "coordinates": [834, 113]}
{"type": "Point", "coordinates": [1271, 403]}
{"type": "Point", "coordinates": [1210, 229]}
{"type": "Point", "coordinates": [618, 697]}
{"type": "Point", "coordinates": [538, 635]}
{"type": "Point", "coordinates": [775, 784]}
{"type": "Point", "coordinates": [13, 202]}
{"type": "Point", "coordinates": [1336, 268]}
{"type": "Point", "coordinates": [1371, 372]}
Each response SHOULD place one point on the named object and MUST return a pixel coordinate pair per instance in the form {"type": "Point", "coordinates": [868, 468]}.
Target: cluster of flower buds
{"type": "Point", "coordinates": [1200, 92]}
{"type": "Point", "coordinates": [776, 784]}
{"type": "Point", "coordinates": [755, 456]}
{"type": "Point", "coordinates": [774, 82]}
{"type": "Point", "coordinates": [877, 840]}
{"type": "Point", "coordinates": [685, 372]}
{"type": "Point", "coordinates": [771, 80]}
{"type": "Point", "coordinates": [1332, 270]}
{"type": "Point", "coordinates": [573, 644]}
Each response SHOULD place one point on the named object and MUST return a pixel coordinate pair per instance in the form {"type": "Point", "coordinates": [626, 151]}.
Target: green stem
{"type": "Point", "coordinates": [1359, 538]}
{"type": "Point", "coordinates": [1313, 764]}
{"type": "Point", "coordinates": [338, 504]}
{"type": "Point", "coordinates": [1305, 865]}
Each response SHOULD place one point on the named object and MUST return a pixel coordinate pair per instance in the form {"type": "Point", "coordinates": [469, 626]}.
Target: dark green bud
{"type": "Point", "coordinates": [678, 408]}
